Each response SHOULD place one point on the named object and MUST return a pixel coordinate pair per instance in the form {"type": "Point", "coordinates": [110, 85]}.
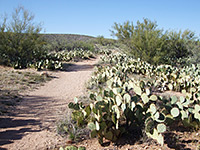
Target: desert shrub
{"type": "Point", "coordinates": [194, 48]}
{"type": "Point", "coordinates": [104, 41]}
{"type": "Point", "coordinates": [61, 44]}
{"type": "Point", "coordinates": [146, 41]}
{"type": "Point", "coordinates": [79, 45]}
{"type": "Point", "coordinates": [180, 46]}
{"type": "Point", "coordinates": [56, 45]}
{"type": "Point", "coordinates": [20, 42]}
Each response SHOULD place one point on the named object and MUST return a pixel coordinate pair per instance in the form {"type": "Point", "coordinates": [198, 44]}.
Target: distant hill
{"type": "Point", "coordinates": [67, 37]}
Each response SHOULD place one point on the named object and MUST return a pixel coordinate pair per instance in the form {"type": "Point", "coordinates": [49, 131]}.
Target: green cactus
{"type": "Point", "coordinates": [173, 100]}
{"type": "Point", "coordinates": [127, 98]}
{"type": "Point", "coordinates": [153, 98]}
{"type": "Point", "coordinates": [196, 112]}
{"type": "Point", "coordinates": [137, 90]}
{"type": "Point", "coordinates": [175, 112]}
{"type": "Point", "coordinates": [184, 114]}
{"type": "Point", "coordinates": [157, 136]}
{"type": "Point", "coordinates": [118, 100]}
{"type": "Point", "coordinates": [71, 148]}
{"type": "Point", "coordinates": [81, 148]}
{"type": "Point", "coordinates": [161, 128]}
{"type": "Point", "coordinates": [145, 98]}
{"type": "Point", "coordinates": [61, 148]}
{"type": "Point", "coordinates": [91, 126]}
{"type": "Point", "coordinates": [121, 101]}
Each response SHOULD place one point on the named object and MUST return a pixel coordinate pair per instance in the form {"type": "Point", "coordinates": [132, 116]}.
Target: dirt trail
{"type": "Point", "coordinates": [33, 125]}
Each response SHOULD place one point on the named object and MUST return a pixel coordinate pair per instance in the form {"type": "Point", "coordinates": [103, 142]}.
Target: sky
{"type": "Point", "coordinates": [96, 17]}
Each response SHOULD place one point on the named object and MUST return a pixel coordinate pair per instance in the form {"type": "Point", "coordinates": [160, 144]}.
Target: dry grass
{"type": "Point", "coordinates": [13, 82]}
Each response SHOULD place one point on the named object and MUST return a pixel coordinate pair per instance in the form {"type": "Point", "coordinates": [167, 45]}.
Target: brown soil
{"type": "Point", "coordinates": [33, 123]}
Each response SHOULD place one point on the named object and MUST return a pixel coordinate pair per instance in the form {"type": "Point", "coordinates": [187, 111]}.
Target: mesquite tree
{"type": "Point", "coordinates": [146, 41]}
{"type": "Point", "coordinates": [20, 41]}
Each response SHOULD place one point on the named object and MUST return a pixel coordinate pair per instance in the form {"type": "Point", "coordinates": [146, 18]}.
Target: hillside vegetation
{"type": "Point", "coordinates": [66, 37]}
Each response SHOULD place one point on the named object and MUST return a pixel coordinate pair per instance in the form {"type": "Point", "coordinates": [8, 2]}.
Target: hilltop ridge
{"type": "Point", "coordinates": [67, 37]}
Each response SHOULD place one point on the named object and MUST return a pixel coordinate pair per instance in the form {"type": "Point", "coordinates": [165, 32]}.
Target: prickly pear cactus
{"type": "Point", "coordinates": [121, 100]}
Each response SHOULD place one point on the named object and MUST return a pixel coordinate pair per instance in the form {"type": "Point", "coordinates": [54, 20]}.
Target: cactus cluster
{"type": "Point", "coordinates": [71, 55]}
{"type": "Point", "coordinates": [53, 60]}
{"type": "Point", "coordinates": [48, 64]}
{"type": "Point", "coordinates": [72, 148]}
{"type": "Point", "coordinates": [77, 54]}
{"type": "Point", "coordinates": [119, 101]}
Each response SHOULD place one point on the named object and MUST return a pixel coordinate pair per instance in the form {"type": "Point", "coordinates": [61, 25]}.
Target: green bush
{"type": "Point", "coordinates": [180, 46]}
{"type": "Point", "coordinates": [105, 42]}
{"type": "Point", "coordinates": [195, 49]}
{"type": "Point", "coordinates": [146, 41]}
{"type": "Point", "coordinates": [61, 44]}
{"type": "Point", "coordinates": [20, 42]}
{"type": "Point", "coordinates": [79, 45]}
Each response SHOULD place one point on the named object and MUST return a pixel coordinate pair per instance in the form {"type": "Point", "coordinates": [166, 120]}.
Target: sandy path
{"type": "Point", "coordinates": [33, 125]}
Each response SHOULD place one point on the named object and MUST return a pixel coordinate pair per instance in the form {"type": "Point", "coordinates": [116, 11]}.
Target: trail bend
{"type": "Point", "coordinates": [33, 124]}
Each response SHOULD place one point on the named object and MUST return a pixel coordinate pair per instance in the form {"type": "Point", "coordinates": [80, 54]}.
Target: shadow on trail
{"type": "Point", "coordinates": [37, 111]}
{"type": "Point", "coordinates": [27, 118]}
{"type": "Point", "coordinates": [76, 67]}
{"type": "Point", "coordinates": [40, 107]}
{"type": "Point", "coordinates": [12, 123]}
{"type": "Point", "coordinates": [8, 134]}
